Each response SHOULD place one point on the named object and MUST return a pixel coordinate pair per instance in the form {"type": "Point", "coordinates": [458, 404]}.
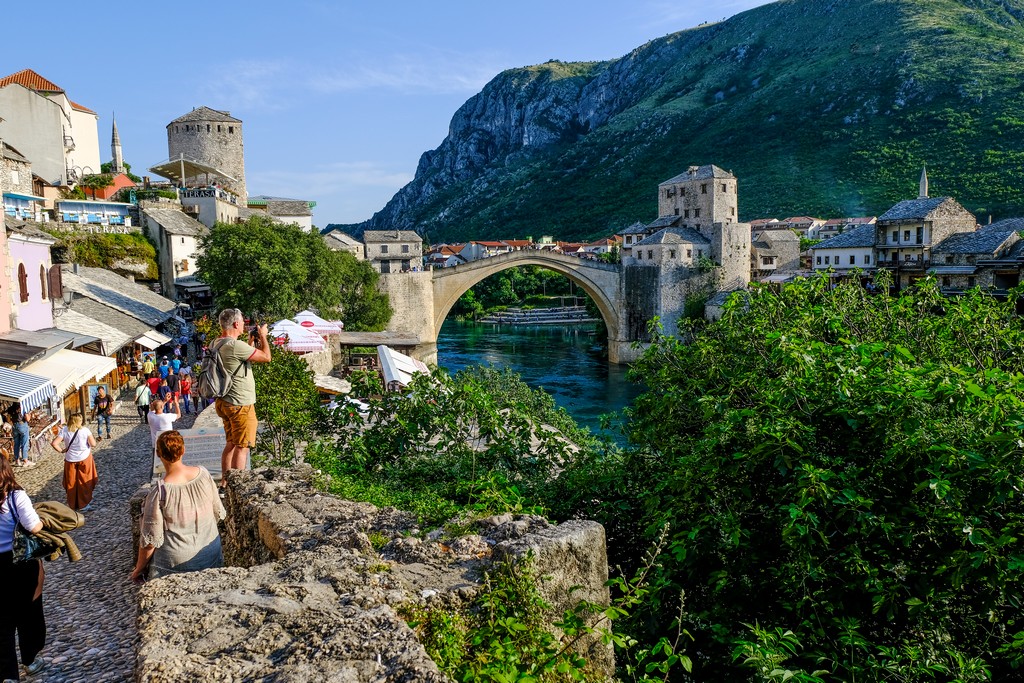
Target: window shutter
{"type": "Point", "coordinates": [22, 282]}
{"type": "Point", "coordinates": [56, 283]}
{"type": "Point", "coordinates": [42, 280]}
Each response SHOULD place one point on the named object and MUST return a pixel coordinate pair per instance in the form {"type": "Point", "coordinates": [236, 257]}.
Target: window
{"type": "Point", "coordinates": [682, 191]}
{"type": "Point", "coordinates": [895, 236]}
{"type": "Point", "coordinates": [732, 210]}
{"type": "Point", "coordinates": [853, 260]}
{"type": "Point", "coordinates": [689, 253]}
{"type": "Point", "coordinates": [945, 282]}
{"type": "Point", "coordinates": [42, 280]}
{"type": "Point", "coordinates": [629, 239]}
{"type": "Point", "coordinates": [405, 248]}
{"type": "Point", "coordinates": [970, 281]}
{"type": "Point", "coordinates": [819, 261]}
{"type": "Point", "coordinates": [949, 258]}
{"type": "Point", "coordinates": [671, 253]}
{"type": "Point", "coordinates": [700, 253]}
{"type": "Point", "coordinates": [207, 128]}
{"type": "Point", "coordinates": [650, 254]}
{"type": "Point", "coordinates": [22, 283]}
{"type": "Point", "coordinates": [383, 248]}
{"type": "Point", "coordinates": [231, 129]}
{"type": "Point", "coordinates": [906, 235]}
{"type": "Point", "coordinates": [920, 235]}
{"type": "Point", "coordinates": [704, 188]}
{"type": "Point", "coordinates": [696, 213]}
{"type": "Point", "coordinates": [906, 258]}
{"type": "Point", "coordinates": [867, 259]}
{"type": "Point", "coordinates": [677, 210]}
{"type": "Point", "coordinates": [639, 255]}
{"type": "Point", "coordinates": [218, 127]}
{"type": "Point", "coordinates": [686, 213]}
{"type": "Point", "coordinates": [183, 239]}
{"type": "Point", "coordinates": [723, 188]}
{"type": "Point", "coordinates": [970, 259]}
{"type": "Point", "coordinates": [176, 129]}
{"type": "Point", "coordinates": [827, 260]}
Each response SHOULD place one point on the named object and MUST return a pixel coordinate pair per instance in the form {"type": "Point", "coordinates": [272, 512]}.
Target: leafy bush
{"type": "Point", "coordinates": [846, 469]}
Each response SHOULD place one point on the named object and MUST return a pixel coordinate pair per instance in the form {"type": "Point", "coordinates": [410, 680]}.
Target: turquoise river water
{"type": "Point", "coordinates": [562, 360]}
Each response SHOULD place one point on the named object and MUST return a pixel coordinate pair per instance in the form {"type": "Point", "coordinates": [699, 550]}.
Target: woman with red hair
{"type": "Point", "coordinates": [179, 517]}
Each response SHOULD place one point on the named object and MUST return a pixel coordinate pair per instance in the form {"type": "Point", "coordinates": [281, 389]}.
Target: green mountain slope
{"type": "Point", "coordinates": [820, 107]}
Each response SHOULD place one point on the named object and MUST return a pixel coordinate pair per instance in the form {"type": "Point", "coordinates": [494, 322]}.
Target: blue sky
{"type": "Point", "coordinates": [338, 99]}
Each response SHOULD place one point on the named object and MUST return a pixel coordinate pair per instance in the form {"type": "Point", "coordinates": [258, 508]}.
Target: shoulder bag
{"type": "Point", "coordinates": [27, 546]}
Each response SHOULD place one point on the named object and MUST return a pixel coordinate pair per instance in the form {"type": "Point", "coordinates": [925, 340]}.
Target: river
{"type": "Point", "coordinates": [562, 360]}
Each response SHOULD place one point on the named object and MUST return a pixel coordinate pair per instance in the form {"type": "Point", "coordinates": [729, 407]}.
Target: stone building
{"type": "Point", "coordinates": [284, 210]}
{"type": "Point", "coordinates": [393, 251]}
{"type": "Point", "coordinates": [19, 199]}
{"type": "Point", "coordinates": [987, 257]}
{"type": "Point", "coordinates": [211, 138]}
{"type": "Point", "coordinates": [58, 136]}
{"type": "Point", "coordinates": [694, 249]}
{"type": "Point", "coordinates": [176, 236]}
{"type": "Point", "coordinates": [774, 252]}
{"type": "Point", "coordinates": [341, 241]}
{"type": "Point", "coordinates": [906, 234]}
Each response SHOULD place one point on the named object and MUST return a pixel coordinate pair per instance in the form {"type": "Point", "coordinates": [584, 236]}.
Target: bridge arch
{"type": "Point", "coordinates": [599, 280]}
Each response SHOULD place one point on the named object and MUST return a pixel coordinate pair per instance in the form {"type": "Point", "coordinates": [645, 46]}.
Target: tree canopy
{"type": "Point", "coordinates": [266, 268]}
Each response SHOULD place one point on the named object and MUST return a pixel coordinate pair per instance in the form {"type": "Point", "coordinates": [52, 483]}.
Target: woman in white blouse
{"type": "Point", "coordinates": [76, 442]}
{"type": "Point", "coordinates": [179, 517]}
{"type": "Point", "coordinates": [22, 611]}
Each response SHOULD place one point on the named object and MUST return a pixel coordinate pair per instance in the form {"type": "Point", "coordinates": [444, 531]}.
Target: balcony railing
{"type": "Point", "coordinates": [69, 143]}
{"type": "Point", "coordinates": [906, 264]}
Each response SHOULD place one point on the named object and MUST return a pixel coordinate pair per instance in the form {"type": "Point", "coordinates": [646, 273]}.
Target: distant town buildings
{"type": "Point", "coordinates": [393, 251]}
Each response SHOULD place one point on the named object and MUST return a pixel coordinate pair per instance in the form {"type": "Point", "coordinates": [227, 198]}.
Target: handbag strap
{"type": "Point", "coordinates": [71, 443]}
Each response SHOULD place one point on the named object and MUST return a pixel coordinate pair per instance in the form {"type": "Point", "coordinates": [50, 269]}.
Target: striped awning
{"type": "Point", "coordinates": [70, 370]}
{"type": "Point", "coordinates": [21, 387]}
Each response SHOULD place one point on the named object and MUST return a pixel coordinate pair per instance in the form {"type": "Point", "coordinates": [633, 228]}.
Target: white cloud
{"type": "Point", "coordinates": [443, 74]}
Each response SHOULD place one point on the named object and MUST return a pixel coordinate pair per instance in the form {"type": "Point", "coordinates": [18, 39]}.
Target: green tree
{"type": "Point", "coordinates": [96, 181]}
{"type": "Point", "coordinates": [264, 267]}
{"type": "Point", "coordinates": [287, 402]}
{"type": "Point", "coordinates": [843, 476]}
{"type": "Point", "coordinates": [108, 167]}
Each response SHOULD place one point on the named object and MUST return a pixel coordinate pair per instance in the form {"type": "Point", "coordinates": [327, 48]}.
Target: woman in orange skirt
{"type": "Point", "coordinates": [77, 442]}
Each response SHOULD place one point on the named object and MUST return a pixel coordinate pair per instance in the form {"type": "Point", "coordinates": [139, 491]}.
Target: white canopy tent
{"type": "Point", "coordinates": [312, 321]}
{"type": "Point", "coordinates": [398, 367]}
{"type": "Point", "coordinates": [299, 339]}
{"type": "Point", "coordinates": [70, 370]}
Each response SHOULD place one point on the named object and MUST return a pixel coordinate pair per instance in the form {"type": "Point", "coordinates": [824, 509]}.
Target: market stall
{"type": "Point", "coordinates": [35, 397]}
{"type": "Point", "coordinates": [75, 376]}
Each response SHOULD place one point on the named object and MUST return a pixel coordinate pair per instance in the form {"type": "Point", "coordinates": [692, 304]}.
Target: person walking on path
{"type": "Point", "coordinates": [148, 366]}
{"type": "Point", "coordinates": [186, 390]}
{"type": "Point", "coordinates": [159, 421]}
{"type": "Point", "coordinates": [22, 614]}
{"type": "Point", "coordinates": [178, 529]}
{"type": "Point", "coordinates": [102, 406]}
{"type": "Point", "coordinates": [76, 442]}
{"type": "Point", "coordinates": [142, 398]}
{"type": "Point", "coordinates": [236, 408]}
{"type": "Point", "coordinates": [21, 437]}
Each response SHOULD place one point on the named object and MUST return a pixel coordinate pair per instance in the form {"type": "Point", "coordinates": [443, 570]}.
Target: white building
{"type": "Point", "coordinates": [176, 235]}
{"type": "Point", "coordinates": [58, 136]}
{"type": "Point", "coordinates": [284, 210]}
{"type": "Point", "coordinates": [853, 248]}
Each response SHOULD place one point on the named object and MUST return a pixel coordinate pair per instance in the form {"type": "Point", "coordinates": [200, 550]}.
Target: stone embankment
{"type": "Point", "coordinates": [313, 584]}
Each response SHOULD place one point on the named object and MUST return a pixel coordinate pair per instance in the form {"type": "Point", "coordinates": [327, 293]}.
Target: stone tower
{"type": "Point", "coordinates": [117, 163]}
{"type": "Point", "coordinates": [210, 137]}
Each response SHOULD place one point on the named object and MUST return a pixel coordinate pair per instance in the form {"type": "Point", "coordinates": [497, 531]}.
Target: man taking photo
{"type": "Point", "coordinates": [237, 407]}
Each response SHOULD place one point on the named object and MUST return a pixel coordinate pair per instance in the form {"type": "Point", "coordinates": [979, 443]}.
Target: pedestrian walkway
{"type": "Point", "coordinates": [90, 605]}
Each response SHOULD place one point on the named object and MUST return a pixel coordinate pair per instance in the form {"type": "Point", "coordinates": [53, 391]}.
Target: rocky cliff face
{"type": "Point", "coordinates": [819, 106]}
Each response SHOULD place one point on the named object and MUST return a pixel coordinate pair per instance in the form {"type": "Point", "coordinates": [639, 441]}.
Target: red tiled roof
{"type": "Point", "coordinates": [763, 221]}
{"type": "Point", "coordinates": [489, 244]}
{"type": "Point", "coordinates": [81, 107]}
{"type": "Point", "coordinates": [31, 80]}
{"type": "Point", "coordinates": [835, 221]}
{"type": "Point", "coordinates": [863, 219]}
{"type": "Point", "coordinates": [518, 243]}
{"type": "Point", "coordinates": [800, 219]}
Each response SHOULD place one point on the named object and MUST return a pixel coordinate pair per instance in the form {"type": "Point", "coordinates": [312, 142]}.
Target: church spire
{"type": "Point", "coordinates": [923, 192]}
{"type": "Point", "coordinates": [115, 147]}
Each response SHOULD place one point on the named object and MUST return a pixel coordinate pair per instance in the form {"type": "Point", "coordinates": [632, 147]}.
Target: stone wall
{"type": "Point", "coordinates": [313, 583]}
{"type": "Point", "coordinates": [322, 362]}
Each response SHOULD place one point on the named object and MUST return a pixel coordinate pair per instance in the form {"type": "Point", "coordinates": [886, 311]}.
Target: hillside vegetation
{"type": "Point", "coordinates": [819, 107]}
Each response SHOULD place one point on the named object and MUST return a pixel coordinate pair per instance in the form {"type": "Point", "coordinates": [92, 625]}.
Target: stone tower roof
{"type": "Point", "coordinates": [698, 173]}
{"type": "Point", "coordinates": [205, 114]}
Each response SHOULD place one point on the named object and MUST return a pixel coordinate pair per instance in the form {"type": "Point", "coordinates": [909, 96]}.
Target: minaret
{"type": "Point", "coordinates": [115, 147]}
{"type": "Point", "coordinates": [923, 192]}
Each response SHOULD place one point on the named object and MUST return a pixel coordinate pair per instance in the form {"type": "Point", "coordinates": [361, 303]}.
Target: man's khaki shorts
{"type": "Point", "coordinates": [239, 423]}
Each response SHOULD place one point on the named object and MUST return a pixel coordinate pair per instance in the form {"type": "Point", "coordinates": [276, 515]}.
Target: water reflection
{"type": "Point", "coordinates": [562, 360]}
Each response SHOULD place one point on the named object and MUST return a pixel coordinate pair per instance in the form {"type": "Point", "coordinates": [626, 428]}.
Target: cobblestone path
{"type": "Point", "coordinates": [90, 605]}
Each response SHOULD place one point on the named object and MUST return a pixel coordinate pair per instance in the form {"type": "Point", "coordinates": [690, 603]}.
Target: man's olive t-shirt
{"type": "Point", "coordinates": [233, 353]}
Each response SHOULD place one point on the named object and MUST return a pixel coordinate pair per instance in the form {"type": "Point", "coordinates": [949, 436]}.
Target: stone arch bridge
{"type": "Point", "coordinates": [422, 300]}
